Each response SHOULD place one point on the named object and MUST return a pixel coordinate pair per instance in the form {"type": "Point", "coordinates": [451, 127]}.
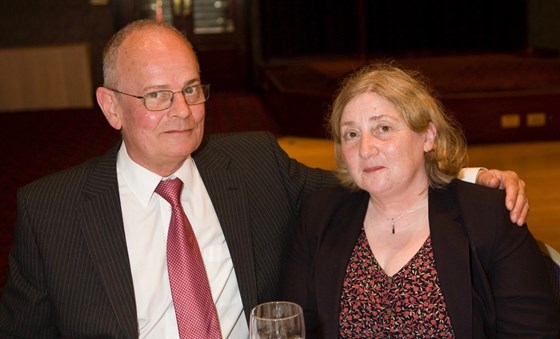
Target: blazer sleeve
{"type": "Point", "coordinates": [508, 266]}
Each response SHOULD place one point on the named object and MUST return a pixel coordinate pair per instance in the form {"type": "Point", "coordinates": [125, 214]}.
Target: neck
{"type": "Point", "coordinates": [386, 214]}
{"type": "Point", "coordinates": [393, 206]}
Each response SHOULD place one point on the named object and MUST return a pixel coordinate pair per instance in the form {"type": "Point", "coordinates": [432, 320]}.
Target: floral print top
{"type": "Point", "coordinates": [410, 304]}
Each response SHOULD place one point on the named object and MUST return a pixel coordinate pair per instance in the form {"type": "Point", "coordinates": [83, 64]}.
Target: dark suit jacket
{"type": "Point", "coordinates": [70, 272]}
{"type": "Point", "coordinates": [491, 271]}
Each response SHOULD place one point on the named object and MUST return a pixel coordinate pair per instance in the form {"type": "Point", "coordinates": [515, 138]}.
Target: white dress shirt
{"type": "Point", "coordinates": [146, 218]}
{"type": "Point", "coordinates": [469, 174]}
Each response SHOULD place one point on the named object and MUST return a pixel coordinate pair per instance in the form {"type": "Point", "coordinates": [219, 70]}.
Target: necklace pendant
{"type": "Point", "coordinates": [393, 225]}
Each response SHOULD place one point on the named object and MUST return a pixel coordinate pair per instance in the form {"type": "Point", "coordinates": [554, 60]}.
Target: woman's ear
{"type": "Point", "coordinates": [109, 105]}
{"type": "Point", "coordinates": [429, 137]}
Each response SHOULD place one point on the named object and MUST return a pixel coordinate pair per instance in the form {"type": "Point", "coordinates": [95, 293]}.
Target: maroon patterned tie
{"type": "Point", "coordinates": [195, 310]}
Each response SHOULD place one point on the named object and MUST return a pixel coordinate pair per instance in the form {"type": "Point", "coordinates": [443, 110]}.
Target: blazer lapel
{"type": "Point", "coordinates": [227, 192]}
{"type": "Point", "coordinates": [101, 219]}
{"type": "Point", "coordinates": [451, 255]}
{"type": "Point", "coordinates": [332, 259]}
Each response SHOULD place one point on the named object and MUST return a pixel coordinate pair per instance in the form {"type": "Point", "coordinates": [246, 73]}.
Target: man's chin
{"type": "Point", "coordinates": [183, 150]}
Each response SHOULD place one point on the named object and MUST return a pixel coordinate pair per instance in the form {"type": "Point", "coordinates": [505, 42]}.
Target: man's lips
{"type": "Point", "coordinates": [179, 131]}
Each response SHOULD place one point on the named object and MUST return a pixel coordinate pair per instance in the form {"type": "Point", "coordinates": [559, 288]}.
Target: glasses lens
{"type": "Point", "coordinates": [161, 100]}
{"type": "Point", "coordinates": [196, 94]}
{"type": "Point", "coordinates": [157, 101]}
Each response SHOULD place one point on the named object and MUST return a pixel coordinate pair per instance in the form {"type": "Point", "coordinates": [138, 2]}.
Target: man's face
{"type": "Point", "coordinates": [158, 140]}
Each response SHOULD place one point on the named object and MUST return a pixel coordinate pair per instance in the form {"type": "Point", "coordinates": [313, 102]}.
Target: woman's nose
{"type": "Point", "coordinates": [368, 146]}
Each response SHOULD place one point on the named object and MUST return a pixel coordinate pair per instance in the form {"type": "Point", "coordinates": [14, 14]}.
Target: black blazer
{"type": "Point", "coordinates": [70, 272]}
{"type": "Point", "coordinates": [491, 271]}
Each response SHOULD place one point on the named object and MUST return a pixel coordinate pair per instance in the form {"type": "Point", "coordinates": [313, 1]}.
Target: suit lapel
{"type": "Point", "coordinates": [451, 255]}
{"type": "Point", "coordinates": [101, 219]}
{"type": "Point", "coordinates": [228, 194]}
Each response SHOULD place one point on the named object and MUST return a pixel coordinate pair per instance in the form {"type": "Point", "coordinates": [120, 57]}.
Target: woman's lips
{"type": "Point", "coordinates": [373, 169]}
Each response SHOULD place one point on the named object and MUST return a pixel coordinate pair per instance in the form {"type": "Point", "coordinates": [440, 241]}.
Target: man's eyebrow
{"type": "Point", "coordinates": [193, 82]}
{"type": "Point", "coordinates": [166, 88]}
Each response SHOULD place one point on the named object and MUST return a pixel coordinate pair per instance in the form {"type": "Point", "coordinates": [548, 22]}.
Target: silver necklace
{"type": "Point", "coordinates": [395, 219]}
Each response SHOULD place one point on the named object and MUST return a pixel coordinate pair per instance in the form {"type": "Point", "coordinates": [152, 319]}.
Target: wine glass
{"type": "Point", "coordinates": [277, 320]}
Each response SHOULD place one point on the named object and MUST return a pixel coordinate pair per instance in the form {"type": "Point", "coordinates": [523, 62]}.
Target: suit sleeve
{"type": "Point", "coordinates": [300, 180]}
{"type": "Point", "coordinates": [25, 310]}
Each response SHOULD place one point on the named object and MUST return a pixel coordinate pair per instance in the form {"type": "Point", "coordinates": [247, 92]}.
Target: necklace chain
{"type": "Point", "coordinates": [395, 219]}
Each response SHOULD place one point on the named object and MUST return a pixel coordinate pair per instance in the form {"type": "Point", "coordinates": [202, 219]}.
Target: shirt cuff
{"type": "Point", "coordinates": [469, 174]}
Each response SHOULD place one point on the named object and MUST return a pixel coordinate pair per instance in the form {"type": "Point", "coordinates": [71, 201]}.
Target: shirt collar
{"type": "Point", "coordinates": [142, 182]}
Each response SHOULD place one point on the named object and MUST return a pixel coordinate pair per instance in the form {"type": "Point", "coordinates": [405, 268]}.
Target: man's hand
{"type": "Point", "coordinates": [516, 199]}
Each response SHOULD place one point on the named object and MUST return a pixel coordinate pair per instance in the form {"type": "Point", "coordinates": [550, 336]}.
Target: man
{"type": "Point", "coordinates": [89, 258]}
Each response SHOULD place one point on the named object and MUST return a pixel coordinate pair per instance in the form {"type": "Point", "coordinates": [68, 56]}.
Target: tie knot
{"type": "Point", "coordinates": [170, 190]}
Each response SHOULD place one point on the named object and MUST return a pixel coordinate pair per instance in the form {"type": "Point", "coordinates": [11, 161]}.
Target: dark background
{"type": "Point", "coordinates": [293, 28]}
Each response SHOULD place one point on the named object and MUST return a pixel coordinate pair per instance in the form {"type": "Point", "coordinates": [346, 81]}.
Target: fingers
{"type": "Point", "coordinates": [522, 218]}
{"type": "Point", "coordinates": [519, 204]}
{"type": "Point", "coordinates": [514, 186]}
{"type": "Point", "coordinates": [516, 197]}
{"type": "Point", "coordinates": [488, 178]}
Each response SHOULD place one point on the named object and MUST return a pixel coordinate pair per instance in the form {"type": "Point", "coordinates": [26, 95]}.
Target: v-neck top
{"type": "Point", "coordinates": [409, 304]}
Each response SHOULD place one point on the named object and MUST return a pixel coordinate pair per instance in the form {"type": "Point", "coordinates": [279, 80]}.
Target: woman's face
{"type": "Point", "coordinates": [384, 156]}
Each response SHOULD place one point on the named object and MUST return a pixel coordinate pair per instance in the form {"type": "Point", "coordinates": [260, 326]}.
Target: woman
{"type": "Point", "coordinates": [406, 250]}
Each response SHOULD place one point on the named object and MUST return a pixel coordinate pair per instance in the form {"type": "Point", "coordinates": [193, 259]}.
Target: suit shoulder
{"type": "Point", "coordinates": [332, 198]}
{"type": "Point", "coordinates": [242, 144]}
{"type": "Point", "coordinates": [476, 195]}
{"type": "Point", "coordinates": [61, 182]}
{"type": "Point", "coordinates": [241, 138]}
{"type": "Point", "coordinates": [59, 179]}
{"type": "Point", "coordinates": [242, 147]}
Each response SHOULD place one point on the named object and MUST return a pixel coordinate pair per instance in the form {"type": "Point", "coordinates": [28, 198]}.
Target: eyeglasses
{"type": "Point", "coordinates": [161, 100]}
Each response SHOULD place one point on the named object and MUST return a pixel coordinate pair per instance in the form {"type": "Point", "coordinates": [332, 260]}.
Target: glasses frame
{"type": "Point", "coordinates": [204, 87]}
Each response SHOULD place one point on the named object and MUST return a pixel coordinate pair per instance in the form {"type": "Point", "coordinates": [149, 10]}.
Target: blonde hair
{"type": "Point", "coordinates": [111, 50]}
{"type": "Point", "coordinates": [418, 106]}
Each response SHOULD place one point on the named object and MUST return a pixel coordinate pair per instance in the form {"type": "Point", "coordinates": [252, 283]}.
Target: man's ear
{"type": "Point", "coordinates": [110, 106]}
{"type": "Point", "coordinates": [429, 137]}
